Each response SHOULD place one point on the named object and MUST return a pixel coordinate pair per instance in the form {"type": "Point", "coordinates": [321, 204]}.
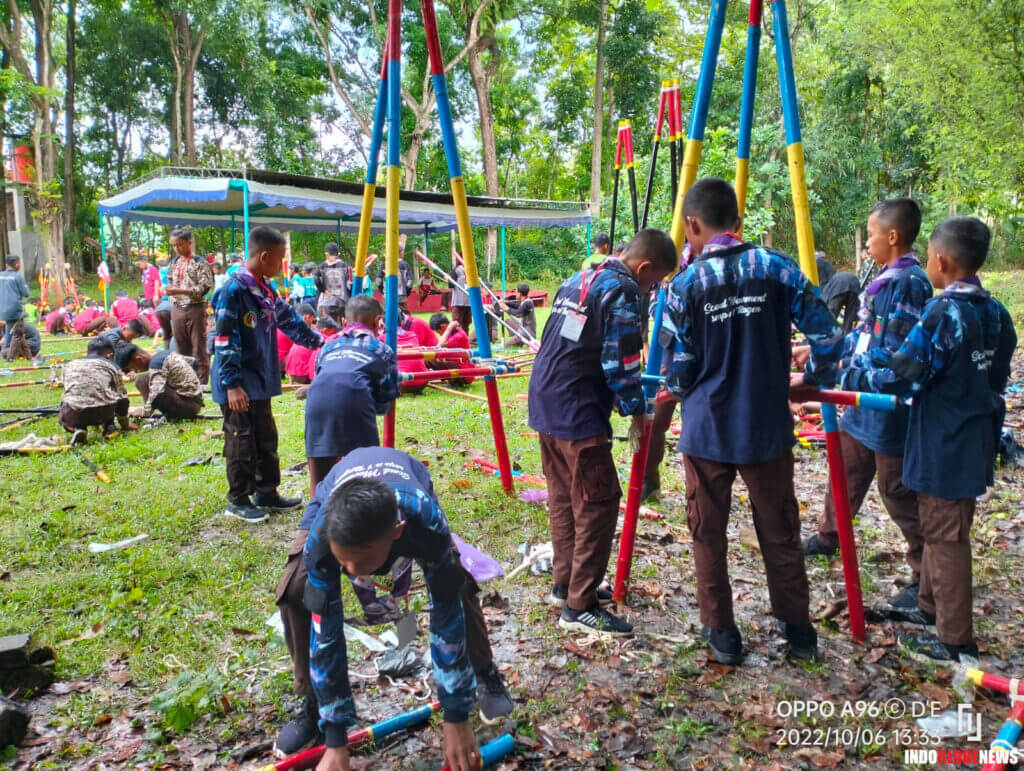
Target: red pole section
{"type": "Point", "coordinates": [389, 428]}
{"type": "Point", "coordinates": [450, 354]}
{"type": "Point", "coordinates": [995, 682]}
{"type": "Point", "coordinates": [498, 429]}
{"type": "Point", "coordinates": [618, 147]}
{"type": "Point", "coordinates": [444, 374]}
{"type": "Point", "coordinates": [434, 56]}
{"type": "Point", "coordinates": [636, 483]}
{"type": "Point", "coordinates": [754, 19]}
{"type": "Point", "coordinates": [844, 522]}
{"type": "Point", "coordinates": [628, 144]}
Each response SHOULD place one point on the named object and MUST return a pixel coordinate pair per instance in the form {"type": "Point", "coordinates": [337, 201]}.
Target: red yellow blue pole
{"type": "Point", "coordinates": [794, 142]}
{"type": "Point", "coordinates": [747, 105]}
{"type": "Point", "coordinates": [627, 148]}
{"type": "Point", "coordinates": [615, 184]}
{"type": "Point", "coordinates": [1003, 750]}
{"type": "Point", "coordinates": [699, 114]}
{"type": "Point", "coordinates": [370, 185]}
{"type": "Point", "coordinates": [675, 134]}
{"type": "Point", "coordinates": [394, 170]}
{"type": "Point", "coordinates": [654, 151]}
{"type": "Point", "coordinates": [458, 188]}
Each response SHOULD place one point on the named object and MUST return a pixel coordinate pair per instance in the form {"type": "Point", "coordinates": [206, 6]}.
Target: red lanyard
{"type": "Point", "coordinates": [265, 288]}
{"type": "Point", "coordinates": [585, 285]}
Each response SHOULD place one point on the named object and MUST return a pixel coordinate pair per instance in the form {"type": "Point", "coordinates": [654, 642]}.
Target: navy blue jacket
{"type": "Point", "coordinates": [731, 314]}
{"type": "Point", "coordinates": [13, 291]}
{"type": "Point", "coordinates": [575, 385]}
{"type": "Point", "coordinates": [954, 364]}
{"type": "Point", "coordinates": [885, 319]}
{"type": "Point", "coordinates": [245, 349]}
{"type": "Point", "coordinates": [427, 540]}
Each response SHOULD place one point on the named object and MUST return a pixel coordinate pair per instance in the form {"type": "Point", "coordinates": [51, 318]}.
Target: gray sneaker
{"type": "Point", "coordinates": [492, 696]}
{"type": "Point", "coordinates": [245, 512]}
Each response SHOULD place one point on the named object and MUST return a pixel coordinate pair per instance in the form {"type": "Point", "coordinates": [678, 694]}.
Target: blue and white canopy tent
{"type": "Point", "coordinates": [245, 198]}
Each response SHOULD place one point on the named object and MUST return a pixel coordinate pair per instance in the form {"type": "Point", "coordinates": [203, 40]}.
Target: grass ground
{"type": "Point", "coordinates": [165, 658]}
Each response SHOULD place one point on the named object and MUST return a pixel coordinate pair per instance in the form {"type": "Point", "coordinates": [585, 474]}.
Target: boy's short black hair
{"type": "Point", "coordinates": [309, 266]}
{"type": "Point", "coordinates": [334, 307]}
{"type": "Point", "coordinates": [183, 233]}
{"type": "Point", "coordinates": [523, 288]}
{"type": "Point", "coordinates": [122, 292]}
{"type": "Point", "coordinates": [12, 260]}
{"type": "Point", "coordinates": [362, 309]}
{"type": "Point", "coordinates": [601, 240]}
{"type": "Point", "coordinates": [264, 238]}
{"type": "Point", "coordinates": [326, 323]}
{"type": "Point", "coordinates": [654, 245]}
{"type": "Point", "coordinates": [135, 326]}
{"type": "Point", "coordinates": [965, 239]}
{"type": "Point", "coordinates": [360, 512]}
{"type": "Point", "coordinates": [123, 355]}
{"type": "Point", "coordinates": [332, 248]}
{"type": "Point", "coordinates": [99, 347]}
{"type": "Point", "coordinates": [713, 201]}
{"type": "Point", "coordinates": [305, 309]}
{"type": "Point", "coordinates": [146, 304]}
{"type": "Point", "coordinates": [619, 247]}
{"type": "Point", "coordinates": [67, 300]}
{"type": "Point", "coordinates": [438, 321]}
{"type": "Point", "coordinates": [900, 214]}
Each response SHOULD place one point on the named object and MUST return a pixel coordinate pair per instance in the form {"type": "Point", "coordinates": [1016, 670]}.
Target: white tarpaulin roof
{"type": "Point", "coordinates": [199, 197]}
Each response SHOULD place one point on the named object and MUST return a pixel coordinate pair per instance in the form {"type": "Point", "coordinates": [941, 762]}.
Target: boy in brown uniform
{"type": "Point", "coordinates": [94, 394]}
{"type": "Point", "coordinates": [189, 279]}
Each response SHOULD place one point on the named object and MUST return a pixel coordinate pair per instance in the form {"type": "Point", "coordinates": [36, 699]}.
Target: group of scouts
{"type": "Point", "coordinates": [727, 335]}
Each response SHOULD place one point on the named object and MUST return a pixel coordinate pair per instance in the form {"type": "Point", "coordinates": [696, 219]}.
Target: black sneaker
{"type": "Point", "coordinates": [246, 512]}
{"type": "Point", "coordinates": [815, 547]}
{"type": "Point", "coordinates": [595, 621]}
{"type": "Point", "coordinates": [932, 647]}
{"type": "Point", "coordinates": [912, 615]}
{"type": "Point", "coordinates": [560, 593]}
{"type": "Point", "coordinates": [301, 733]}
{"type": "Point", "coordinates": [803, 641]}
{"type": "Point", "coordinates": [651, 490]}
{"type": "Point", "coordinates": [726, 645]}
{"type": "Point", "coordinates": [906, 598]}
{"type": "Point", "coordinates": [492, 696]}
{"type": "Point", "coordinates": [276, 502]}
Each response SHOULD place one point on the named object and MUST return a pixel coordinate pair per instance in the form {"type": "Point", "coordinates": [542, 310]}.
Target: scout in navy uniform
{"type": "Point", "coordinates": [954, 366]}
{"type": "Point", "coordinates": [873, 440]}
{"type": "Point", "coordinates": [731, 314]}
{"type": "Point", "coordinates": [246, 375]}
{"type": "Point", "coordinates": [588, 364]}
{"type": "Point", "coordinates": [356, 380]}
{"type": "Point", "coordinates": [376, 506]}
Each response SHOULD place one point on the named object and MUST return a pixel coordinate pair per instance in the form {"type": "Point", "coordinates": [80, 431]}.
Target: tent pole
{"type": "Point", "coordinates": [394, 169]}
{"type": "Point", "coordinates": [103, 258]}
{"type": "Point", "coordinates": [232, 233]}
{"type": "Point", "coordinates": [245, 216]}
{"type": "Point", "coordinates": [458, 190]}
{"type": "Point", "coordinates": [504, 297]}
{"type": "Point", "coordinates": [588, 240]}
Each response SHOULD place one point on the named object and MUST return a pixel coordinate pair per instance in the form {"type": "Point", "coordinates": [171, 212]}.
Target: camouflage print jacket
{"type": "Point", "coordinates": [92, 382]}
{"type": "Point", "coordinates": [194, 275]}
{"type": "Point", "coordinates": [172, 371]}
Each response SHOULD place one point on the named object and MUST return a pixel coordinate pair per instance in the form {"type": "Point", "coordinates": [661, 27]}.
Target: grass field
{"type": "Point", "coordinates": [183, 613]}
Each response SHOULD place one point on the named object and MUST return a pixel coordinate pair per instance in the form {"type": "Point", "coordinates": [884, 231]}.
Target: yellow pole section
{"type": "Point", "coordinates": [465, 232]}
{"type": "Point", "coordinates": [802, 211]}
{"type": "Point", "coordinates": [365, 220]}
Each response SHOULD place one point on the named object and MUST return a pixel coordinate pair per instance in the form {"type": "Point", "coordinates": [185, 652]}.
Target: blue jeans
{"type": "Point", "coordinates": [8, 329]}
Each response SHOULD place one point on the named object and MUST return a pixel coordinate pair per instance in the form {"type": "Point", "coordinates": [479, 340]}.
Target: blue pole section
{"type": "Point", "coordinates": [747, 105]}
{"type": "Point", "coordinates": [588, 239]}
{"type": "Point", "coordinates": [232, 247]}
{"type": "Point", "coordinates": [501, 232]}
{"type": "Point", "coordinates": [494, 751]}
{"type": "Point", "coordinates": [369, 186]}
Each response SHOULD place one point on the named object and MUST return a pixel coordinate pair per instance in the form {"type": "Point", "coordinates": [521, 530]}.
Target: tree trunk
{"type": "Point", "coordinates": [5, 246]}
{"type": "Point", "coordinates": [69, 121]}
{"type": "Point", "coordinates": [481, 75]}
{"type": "Point", "coordinates": [190, 45]}
{"type": "Point", "coordinates": [595, 158]}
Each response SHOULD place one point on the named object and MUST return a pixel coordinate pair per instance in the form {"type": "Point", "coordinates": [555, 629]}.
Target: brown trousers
{"type": "Point", "coordinates": [318, 469]}
{"type": "Point", "coordinates": [188, 325]}
{"type": "Point", "coordinates": [861, 465]}
{"type": "Point", "coordinates": [946, 580]}
{"type": "Point", "coordinates": [583, 507]}
{"type": "Point", "coordinates": [663, 413]}
{"type": "Point", "coordinates": [99, 324]}
{"type": "Point", "coordinates": [71, 419]}
{"type": "Point", "coordinates": [164, 317]}
{"type": "Point", "coordinates": [169, 401]}
{"type": "Point", "coordinates": [250, 450]}
{"type": "Point", "coordinates": [776, 521]}
{"type": "Point", "coordinates": [464, 315]}
{"type": "Point", "coordinates": [296, 618]}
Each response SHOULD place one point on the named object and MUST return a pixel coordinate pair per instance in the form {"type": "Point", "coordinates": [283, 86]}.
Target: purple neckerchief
{"type": "Point", "coordinates": [355, 328]}
{"type": "Point", "coordinates": [265, 296]}
{"type": "Point", "coordinates": [883, 278]}
{"type": "Point", "coordinates": [721, 241]}
{"type": "Point", "coordinates": [968, 285]}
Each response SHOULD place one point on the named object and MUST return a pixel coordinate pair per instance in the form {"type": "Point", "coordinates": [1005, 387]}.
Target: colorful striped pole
{"type": "Point", "coordinates": [675, 132]}
{"type": "Point", "coordinates": [662, 95]}
{"type": "Point", "coordinates": [1003, 750]}
{"type": "Point", "coordinates": [458, 188]}
{"type": "Point", "coordinates": [615, 183]}
{"type": "Point", "coordinates": [794, 142]}
{"type": "Point", "coordinates": [494, 751]}
{"type": "Point", "coordinates": [699, 114]}
{"type": "Point", "coordinates": [394, 170]}
{"type": "Point", "coordinates": [698, 119]}
{"type": "Point", "coordinates": [747, 106]}
{"type": "Point", "coordinates": [631, 173]}
{"type": "Point", "coordinates": [451, 374]}
{"type": "Point", "coordinates": [370, 185]}
{"type": "Point", "coordinates": [360, 738]}
{"type": "Point", "coordinates": [995, 682]}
